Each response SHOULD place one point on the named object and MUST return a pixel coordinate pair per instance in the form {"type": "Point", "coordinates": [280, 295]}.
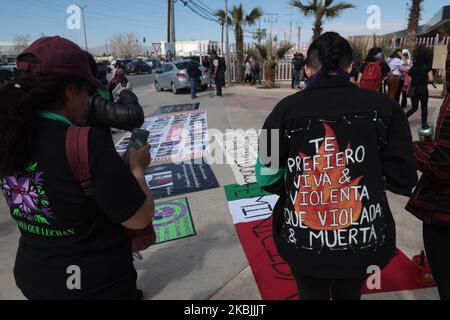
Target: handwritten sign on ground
{"type": "Point", "coordinates": [175, 136]}
{"type": "Point", "coordinates": [253, 223]}
{"type": "Point", "coordinates": [173, 221]}
{"type": "Point", "coordinates": [176, 108]}
{"type": "Point", "coordinates": [169, 180]}
{"type": "Point", "coordinates": [241, 151]}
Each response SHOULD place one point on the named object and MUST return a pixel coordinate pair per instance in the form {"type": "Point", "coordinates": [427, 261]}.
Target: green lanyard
{"type": "Point", "coordinates": [54, 116]}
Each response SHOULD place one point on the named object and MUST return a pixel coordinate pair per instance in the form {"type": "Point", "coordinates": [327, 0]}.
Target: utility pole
{"type": "Point", "coordinates": [106, 46]}
{"type": "Point", "coordinates": [227, 39]}
{"type": "Point", "coordinates": [299, 38]}
{"type": "Point", "coordinates": [290, 26]}
{"type": "Point", "coordinates": [170, 21]}
{"type": "Point", "coordinates": [271, 19]}
{"type": "Point", "coordinates": [84, 25]}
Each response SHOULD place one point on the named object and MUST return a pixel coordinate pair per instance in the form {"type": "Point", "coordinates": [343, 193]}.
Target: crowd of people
{"type": "Point", "coordinates": [401, 76]}
{"type": "Point", "coordinates": [354, 136]}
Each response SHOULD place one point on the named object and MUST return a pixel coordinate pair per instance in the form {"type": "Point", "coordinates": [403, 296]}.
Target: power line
{"type": "Point", "coordinates": [205, 11]}
{"type": "Point", "coordinates": [186, 3]}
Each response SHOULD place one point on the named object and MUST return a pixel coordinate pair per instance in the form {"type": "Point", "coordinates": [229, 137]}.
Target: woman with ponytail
{"type": "Point", "coordinates": [331, 152]}
{"type": "Point", "coordinates": [72, 245]}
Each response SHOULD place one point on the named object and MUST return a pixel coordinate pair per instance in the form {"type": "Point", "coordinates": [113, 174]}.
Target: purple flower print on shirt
{"type": "Point", "coordinates": [23, 194]}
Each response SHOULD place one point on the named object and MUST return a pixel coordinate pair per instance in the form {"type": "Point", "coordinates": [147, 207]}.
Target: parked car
{"type": "Point", "coordinates": [138, 67]}
{"type": "Point", "coordinates": [10, 67]}
{"type": "Point", "coordinates": [122, 62]}
{"type": "Point", "coordinates": [103, 67]}
{"type": "Point", "coordinates": [153, 63]}
{"type": "Point", "coordinates": [173, 76]}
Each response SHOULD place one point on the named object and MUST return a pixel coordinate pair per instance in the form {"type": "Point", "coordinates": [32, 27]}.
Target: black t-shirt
{"type": "Point", "coordinates": [385, 69]}
{"type": "Point", "coordinates": [419, 75]}
{"type": "Point", "coordinates": [62, 227]}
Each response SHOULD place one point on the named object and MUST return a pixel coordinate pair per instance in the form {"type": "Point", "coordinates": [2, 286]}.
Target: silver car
{"type": "Point", "coordinates": [173, 76]}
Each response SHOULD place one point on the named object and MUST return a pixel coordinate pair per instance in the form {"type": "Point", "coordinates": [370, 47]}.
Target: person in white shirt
{"type": "Point", "coordinates": [248, 71]}
{"type": "Point", "coordinates": [398, 66]}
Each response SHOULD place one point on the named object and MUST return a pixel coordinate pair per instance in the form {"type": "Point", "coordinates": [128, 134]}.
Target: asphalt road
{"type": "Point", "coordinates": [143, 80]}
{"type": "Point", "coordinates": [139, 81]}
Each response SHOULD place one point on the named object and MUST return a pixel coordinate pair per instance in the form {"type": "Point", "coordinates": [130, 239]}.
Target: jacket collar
{"type": "Point", "coordinates": [329, 82]}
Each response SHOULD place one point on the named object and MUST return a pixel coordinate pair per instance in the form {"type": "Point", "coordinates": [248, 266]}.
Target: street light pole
{"type": "Point", "coordinates": [228, 58]}
{"type": "Point", "coordinates": [84, 25]}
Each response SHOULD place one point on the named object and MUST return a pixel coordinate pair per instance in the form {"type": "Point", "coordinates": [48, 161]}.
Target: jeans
{"type": "Point", "coordinates": [325, 289]}
{"type": "Point", "coordinates": [193, 87]}
{"type": "Point", "coordinates": [219, 83]}
{"type": "Point", "coordinates": [295, 79]}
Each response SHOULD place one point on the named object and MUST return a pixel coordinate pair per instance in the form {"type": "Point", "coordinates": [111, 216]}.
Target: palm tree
{"type": "Point", "coordinates": [413, 23]}
{"type": "Point", "coordinates": [321, 9]}
{"type": "Point", "coordinates": [239, 20]}
{"type": "Point", "coordinates": [269, 56]}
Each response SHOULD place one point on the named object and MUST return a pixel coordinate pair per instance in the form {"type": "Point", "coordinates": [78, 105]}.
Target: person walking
{"type": "Point", "coordinates": [421, 75]}
{"type": "Point", "coordinates": [430, 200]}
{"type": "Point", "coordinates": [373, 71]}
{"type": "Point", "coordinates": [257, 73]}
{"type": "Point", "coordinates": [63, 229]}
{"type": "Point", "coordinates": [218, 70]}
{"type": "Point", "coordinates": [342, 138]}
{"type": "Point", "coordinates": [298, 63]}
{"type": "Point", "coordinates": [194, 73]}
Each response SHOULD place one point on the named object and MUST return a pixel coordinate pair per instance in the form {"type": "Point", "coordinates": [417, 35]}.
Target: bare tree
{"type": "Point", "coordinates": [21, 42]}
{"type": "Point", "coordinates": [125, 45]}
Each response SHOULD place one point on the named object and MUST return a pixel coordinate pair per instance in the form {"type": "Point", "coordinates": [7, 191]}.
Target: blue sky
{"type": "Point", "coordinates": [147, 18]}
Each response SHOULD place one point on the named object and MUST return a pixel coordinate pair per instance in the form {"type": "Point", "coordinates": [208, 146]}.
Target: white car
{"type": "Point", "coordinates": [173, 76]}
{"type": "Point", "coordinates": [10, 67]}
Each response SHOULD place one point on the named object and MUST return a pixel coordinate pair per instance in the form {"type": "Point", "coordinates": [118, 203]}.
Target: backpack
{"type": "Point", "coordinates": [372, 76]}
{"type": "Point", "coordinates": [222, 65]}
{"type": "Point", "coordinates": [77, 154]}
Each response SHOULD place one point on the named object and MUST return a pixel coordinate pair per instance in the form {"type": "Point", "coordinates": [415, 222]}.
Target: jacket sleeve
{"type": "Point", "coordinates": [434, 159]}
{"type": "Point", "coordinates": [273, 153]}
{"type": "Point", "coordinates": [397, 157]}
{"type": "Point", "coordinates": [126, 114]}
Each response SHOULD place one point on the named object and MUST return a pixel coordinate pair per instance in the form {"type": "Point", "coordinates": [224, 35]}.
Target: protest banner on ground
{"type": "Point", "coordinates": [173, 221]}
{"type": "Point", "coordinates": [174, 137]}
{"type": "Point", "coordinates": [250, 208]}
{"type": "Point", "coordinates": [176, 108]}
{"type": "Point", "coordinates": [169, 180]}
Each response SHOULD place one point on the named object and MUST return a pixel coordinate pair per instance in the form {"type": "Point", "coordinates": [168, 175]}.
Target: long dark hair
{"type": "Point", "coordinates": [395, 53]}
{"type": "Point", "coordinates": [19, 105]}
{"type": "Point", "coordinates": [331, 52]}
{"type": "Point", "coordinates": [373, 52]}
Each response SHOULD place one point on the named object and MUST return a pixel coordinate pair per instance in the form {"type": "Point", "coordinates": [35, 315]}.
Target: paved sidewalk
{"type": "Point", "coordinates": [212, 265]}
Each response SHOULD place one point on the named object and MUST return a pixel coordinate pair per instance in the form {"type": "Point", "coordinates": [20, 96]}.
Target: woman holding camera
{"type": "Point", "coordinates": [72, 246]}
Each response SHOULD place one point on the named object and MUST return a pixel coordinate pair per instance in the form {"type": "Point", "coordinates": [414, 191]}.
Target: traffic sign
{"type": "Point", "coordinates": [156, 46]}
